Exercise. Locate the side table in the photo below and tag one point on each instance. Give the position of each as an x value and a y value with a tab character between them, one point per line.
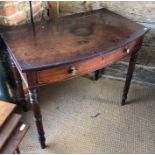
69	47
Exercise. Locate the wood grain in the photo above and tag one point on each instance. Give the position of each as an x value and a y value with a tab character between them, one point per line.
83	67
8	128
48	51
5	110
11	146
69	39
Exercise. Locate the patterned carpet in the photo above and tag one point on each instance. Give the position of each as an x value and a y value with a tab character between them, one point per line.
84	116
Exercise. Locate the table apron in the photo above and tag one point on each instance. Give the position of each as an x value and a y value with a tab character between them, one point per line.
61	73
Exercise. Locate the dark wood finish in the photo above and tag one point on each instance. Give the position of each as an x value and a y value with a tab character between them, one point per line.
18	151
12	145
8	128
68	47
130	73
83	67
98	74
69	39
37	116
5	110
19	88
4	93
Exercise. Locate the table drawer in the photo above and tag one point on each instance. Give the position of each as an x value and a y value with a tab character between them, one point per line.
68	71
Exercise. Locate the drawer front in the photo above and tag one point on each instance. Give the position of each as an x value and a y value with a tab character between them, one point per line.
83	67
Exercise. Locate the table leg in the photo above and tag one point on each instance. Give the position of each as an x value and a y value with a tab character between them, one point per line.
4	93
37	116
129	75
19	88
98	74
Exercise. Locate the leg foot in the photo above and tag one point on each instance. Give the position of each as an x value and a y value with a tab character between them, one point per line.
123	101
98	74
17	150
42	143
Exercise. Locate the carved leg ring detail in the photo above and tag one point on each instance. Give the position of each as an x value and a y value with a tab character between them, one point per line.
37	116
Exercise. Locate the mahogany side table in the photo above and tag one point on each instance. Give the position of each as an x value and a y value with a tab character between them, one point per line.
68	47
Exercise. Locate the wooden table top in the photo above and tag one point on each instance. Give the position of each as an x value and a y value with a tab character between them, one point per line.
5	110
69	39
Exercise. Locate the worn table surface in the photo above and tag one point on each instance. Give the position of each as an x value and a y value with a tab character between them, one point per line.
69	39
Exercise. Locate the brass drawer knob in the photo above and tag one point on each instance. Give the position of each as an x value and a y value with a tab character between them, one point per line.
127	50
72	71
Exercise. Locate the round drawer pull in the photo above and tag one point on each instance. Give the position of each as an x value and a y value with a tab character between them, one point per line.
127	50
72	71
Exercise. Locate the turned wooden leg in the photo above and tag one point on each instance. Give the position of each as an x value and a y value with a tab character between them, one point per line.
4	93
129	75
37	116
19	88
8	71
